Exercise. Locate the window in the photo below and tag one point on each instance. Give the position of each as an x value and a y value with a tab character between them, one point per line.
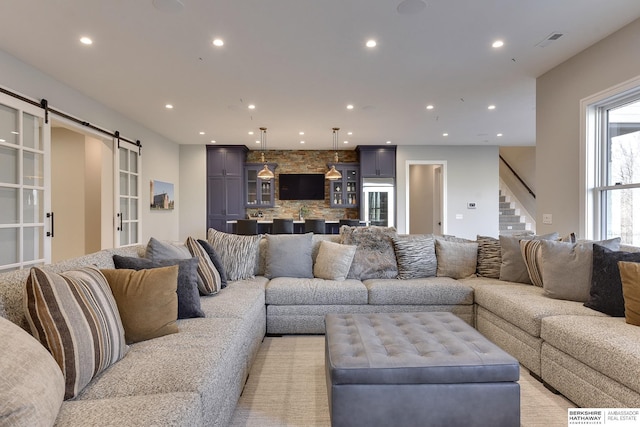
615	128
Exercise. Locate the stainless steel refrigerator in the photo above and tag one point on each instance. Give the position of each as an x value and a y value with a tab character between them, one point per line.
378	205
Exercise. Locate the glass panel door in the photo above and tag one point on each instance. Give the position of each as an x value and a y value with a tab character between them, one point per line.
128	203
26	225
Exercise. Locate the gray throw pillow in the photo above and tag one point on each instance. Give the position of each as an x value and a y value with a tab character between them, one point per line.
188	294
415	255
239	254
160	250
333	261
513	267
215	259
289	255
457	260
375	257
567	268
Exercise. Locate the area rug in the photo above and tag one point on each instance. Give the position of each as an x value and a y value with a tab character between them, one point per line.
286	387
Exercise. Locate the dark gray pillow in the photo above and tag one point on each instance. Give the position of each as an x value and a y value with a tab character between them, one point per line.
289	255
215	259
416	256
188	294
605	294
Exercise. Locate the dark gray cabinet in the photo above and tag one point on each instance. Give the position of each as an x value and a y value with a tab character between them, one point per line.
259	193
345	192
225	192
377	161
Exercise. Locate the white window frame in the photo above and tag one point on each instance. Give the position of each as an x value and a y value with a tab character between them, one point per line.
592	159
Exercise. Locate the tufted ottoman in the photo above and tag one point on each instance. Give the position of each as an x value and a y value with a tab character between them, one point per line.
417	369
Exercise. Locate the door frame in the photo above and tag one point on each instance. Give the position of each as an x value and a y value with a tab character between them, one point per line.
443	198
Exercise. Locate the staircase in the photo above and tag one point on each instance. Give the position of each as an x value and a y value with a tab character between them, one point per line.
511	222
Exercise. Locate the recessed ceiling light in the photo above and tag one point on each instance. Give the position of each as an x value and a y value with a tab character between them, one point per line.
15	133
301	142
349	133
86	40
168	106
300	133
218	42
499	134
349	107
388	142
371	43
445	134
346	142
252	107
201	133
497	43
2	140
250	132
429	107
491	107
213	141
257	142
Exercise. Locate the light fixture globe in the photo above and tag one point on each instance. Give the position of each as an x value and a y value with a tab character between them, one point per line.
265	173
333	174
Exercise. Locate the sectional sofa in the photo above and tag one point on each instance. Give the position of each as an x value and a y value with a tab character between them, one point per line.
195	377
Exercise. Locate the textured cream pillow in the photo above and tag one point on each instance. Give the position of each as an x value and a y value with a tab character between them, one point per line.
333	261
457	260
31	384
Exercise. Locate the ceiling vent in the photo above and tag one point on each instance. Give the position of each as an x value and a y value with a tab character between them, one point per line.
550	39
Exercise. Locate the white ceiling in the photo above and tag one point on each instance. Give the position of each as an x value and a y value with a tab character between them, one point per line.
302	61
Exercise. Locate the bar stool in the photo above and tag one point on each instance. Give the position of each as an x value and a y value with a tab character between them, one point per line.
247	227
282	226
315	226
349	222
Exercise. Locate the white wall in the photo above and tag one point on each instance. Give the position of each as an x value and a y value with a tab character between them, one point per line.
472	176
609	62
193	206
160	156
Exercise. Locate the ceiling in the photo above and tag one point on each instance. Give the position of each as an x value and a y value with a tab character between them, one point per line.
301	62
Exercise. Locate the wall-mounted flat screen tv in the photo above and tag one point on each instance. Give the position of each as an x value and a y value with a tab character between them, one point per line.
301	186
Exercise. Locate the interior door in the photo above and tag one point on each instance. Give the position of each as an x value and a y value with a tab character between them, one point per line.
26	223
127	188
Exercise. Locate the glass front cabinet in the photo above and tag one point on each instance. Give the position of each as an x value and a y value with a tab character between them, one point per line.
259	193
345	193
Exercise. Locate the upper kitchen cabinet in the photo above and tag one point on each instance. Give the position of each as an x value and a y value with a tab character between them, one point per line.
377	161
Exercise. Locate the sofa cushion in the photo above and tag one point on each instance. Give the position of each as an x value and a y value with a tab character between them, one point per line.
216	260
605	294
630	277
415	255
75	316
289	255
209	282
147	301
292	291
188	295
457	260
333	261
31	383
513	267
425	291
489	257
375	257
239	254
566	268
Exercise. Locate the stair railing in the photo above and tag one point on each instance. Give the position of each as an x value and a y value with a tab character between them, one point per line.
518	176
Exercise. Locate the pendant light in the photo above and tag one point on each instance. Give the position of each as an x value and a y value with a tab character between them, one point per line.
265	173
333	174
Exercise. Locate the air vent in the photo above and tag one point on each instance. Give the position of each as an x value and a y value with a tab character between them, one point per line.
550	39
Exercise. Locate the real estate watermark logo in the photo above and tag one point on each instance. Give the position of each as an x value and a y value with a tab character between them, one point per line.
617	417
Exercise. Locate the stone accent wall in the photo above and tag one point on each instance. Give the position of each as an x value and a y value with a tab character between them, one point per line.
303	161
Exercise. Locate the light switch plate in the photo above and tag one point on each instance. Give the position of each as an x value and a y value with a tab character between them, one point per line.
458	216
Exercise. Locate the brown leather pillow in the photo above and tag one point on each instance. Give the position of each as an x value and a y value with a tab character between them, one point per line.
147	301
630	277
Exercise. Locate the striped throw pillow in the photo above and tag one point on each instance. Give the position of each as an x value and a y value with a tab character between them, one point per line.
416	256
239	254
209	282
75	316
531	254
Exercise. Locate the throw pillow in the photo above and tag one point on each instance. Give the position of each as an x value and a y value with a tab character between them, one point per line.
415	255
513	268
630	277
333	261
456	259
531	254
289	255
31	384
605	294
147	301
489	257
209	282
188	295
75	316
375	257
566	268
239	254
215	259
157	250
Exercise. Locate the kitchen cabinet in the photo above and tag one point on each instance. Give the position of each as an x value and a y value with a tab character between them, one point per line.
259	193
345	192
377	161
225	192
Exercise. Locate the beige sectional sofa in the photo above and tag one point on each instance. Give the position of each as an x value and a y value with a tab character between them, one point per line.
195	377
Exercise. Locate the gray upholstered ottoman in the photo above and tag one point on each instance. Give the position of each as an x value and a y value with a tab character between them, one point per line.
417	369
